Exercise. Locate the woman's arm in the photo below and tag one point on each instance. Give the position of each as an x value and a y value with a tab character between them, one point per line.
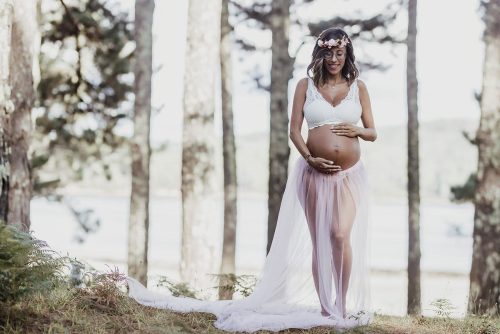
368	132
320	164
298	117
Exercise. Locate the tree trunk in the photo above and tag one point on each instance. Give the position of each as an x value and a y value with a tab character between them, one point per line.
228	264
414	304
199	241
24	35
140	146
484	293
279	151
6	107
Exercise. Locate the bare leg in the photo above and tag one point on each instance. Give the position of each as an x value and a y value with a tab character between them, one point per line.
311	222
344	214
308	200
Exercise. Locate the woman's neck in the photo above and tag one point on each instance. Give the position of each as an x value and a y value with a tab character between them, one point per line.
334	79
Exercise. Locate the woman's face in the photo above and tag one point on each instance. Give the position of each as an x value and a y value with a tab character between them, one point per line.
335	59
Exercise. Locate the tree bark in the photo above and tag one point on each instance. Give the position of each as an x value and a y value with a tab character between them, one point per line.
24	35
140	146
228	264
281	73
413	302
484	291
199	241
6	106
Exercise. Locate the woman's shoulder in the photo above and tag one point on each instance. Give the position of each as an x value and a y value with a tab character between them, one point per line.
303	83
361	84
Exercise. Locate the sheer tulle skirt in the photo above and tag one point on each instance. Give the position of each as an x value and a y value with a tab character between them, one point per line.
317	270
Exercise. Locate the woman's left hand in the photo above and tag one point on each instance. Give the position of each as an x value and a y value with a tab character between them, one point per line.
345	129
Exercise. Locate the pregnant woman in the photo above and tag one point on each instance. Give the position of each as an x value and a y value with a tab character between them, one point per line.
333	186
316	272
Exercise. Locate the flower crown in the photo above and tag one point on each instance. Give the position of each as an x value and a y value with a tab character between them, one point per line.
333	42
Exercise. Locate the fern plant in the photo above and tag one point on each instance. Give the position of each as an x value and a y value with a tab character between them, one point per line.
27	265
443	307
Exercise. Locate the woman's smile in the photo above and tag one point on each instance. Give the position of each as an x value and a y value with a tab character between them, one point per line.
333	67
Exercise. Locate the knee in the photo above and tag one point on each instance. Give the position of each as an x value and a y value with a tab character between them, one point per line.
340	238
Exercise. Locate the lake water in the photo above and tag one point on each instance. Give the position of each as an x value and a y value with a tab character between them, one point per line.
446	243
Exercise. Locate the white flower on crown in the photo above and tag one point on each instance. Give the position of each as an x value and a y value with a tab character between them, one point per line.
341	42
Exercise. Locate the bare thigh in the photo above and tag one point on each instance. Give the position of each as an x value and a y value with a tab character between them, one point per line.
311	203
343	215
307	196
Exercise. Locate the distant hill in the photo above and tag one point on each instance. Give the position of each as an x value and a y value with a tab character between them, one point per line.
446	159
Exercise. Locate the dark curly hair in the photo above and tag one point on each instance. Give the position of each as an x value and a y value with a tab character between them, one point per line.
317	66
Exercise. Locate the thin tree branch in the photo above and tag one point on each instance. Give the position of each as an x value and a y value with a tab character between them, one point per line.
79	72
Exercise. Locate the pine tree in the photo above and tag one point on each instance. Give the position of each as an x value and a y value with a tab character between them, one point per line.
228	263
413	301
140	146
199	244
484	291
17	130
85	90
281	73
6	107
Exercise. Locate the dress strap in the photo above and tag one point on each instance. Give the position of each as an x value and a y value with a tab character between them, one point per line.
309	83
311	88
355	89
311	93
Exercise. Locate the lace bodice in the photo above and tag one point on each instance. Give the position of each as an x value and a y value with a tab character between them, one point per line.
318	111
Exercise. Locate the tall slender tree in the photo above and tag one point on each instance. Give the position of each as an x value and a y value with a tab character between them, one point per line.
281	73
6	107
199	243
24	36
413	301
484	292
228	264
140	146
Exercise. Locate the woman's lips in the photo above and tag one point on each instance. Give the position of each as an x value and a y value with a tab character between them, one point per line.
333	67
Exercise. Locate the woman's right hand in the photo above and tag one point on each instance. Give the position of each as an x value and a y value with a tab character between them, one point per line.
324	165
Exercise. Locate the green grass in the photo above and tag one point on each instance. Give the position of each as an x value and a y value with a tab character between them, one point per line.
101	309
37	295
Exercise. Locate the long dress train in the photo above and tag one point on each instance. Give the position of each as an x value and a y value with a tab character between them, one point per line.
317	267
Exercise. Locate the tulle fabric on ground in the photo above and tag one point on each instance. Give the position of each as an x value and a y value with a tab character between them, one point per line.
323	221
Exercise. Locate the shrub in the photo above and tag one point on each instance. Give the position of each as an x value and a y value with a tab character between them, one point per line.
27	265
177	289
443	307
103	291
243	284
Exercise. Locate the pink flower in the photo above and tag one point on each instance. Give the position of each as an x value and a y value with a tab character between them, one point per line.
333	42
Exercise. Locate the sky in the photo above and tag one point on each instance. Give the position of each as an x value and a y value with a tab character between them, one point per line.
449	65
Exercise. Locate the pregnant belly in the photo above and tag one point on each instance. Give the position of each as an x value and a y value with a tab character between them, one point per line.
344	151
